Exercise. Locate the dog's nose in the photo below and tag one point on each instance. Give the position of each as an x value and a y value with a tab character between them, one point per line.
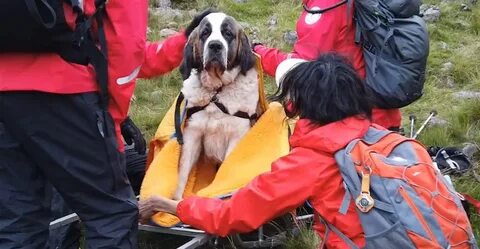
215	46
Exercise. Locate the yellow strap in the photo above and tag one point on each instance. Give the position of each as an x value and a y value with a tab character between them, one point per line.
366	183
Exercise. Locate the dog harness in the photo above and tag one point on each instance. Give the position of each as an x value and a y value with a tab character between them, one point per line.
192	110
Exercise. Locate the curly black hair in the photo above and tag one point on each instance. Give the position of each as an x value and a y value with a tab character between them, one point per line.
325	90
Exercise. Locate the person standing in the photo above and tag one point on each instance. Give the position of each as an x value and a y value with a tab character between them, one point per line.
331	31
57	127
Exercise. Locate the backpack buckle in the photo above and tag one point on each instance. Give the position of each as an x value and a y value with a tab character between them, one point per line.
364	201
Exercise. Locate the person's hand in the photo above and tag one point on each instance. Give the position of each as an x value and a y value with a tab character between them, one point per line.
131	134
197	19
147	208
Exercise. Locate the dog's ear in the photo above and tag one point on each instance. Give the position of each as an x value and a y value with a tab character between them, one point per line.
244	53
191	57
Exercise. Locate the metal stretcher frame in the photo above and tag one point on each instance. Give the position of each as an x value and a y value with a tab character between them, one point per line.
198	237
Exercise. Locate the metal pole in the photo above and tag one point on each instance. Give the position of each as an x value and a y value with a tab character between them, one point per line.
432	114
412	125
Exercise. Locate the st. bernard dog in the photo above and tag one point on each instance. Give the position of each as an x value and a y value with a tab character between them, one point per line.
221	89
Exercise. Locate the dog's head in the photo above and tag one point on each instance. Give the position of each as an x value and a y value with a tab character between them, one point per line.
217	45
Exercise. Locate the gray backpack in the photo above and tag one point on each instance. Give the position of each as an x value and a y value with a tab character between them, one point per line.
402	200
395	47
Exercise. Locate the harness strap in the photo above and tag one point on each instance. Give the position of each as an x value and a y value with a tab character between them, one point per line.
35	12
192	110
195	109
99	59
239	114
178	119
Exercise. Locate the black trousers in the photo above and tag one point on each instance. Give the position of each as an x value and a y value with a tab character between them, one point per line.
68	141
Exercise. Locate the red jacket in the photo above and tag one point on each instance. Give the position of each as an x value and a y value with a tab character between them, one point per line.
129	56
331	31
309	172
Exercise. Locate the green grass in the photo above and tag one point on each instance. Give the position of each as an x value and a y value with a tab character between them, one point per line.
459	29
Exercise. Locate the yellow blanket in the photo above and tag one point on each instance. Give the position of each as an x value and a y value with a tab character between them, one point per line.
265	142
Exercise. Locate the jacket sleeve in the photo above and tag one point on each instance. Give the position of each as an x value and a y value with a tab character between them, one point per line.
290	183
321	38
163	57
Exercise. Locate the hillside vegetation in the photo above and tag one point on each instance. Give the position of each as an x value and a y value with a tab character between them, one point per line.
452	87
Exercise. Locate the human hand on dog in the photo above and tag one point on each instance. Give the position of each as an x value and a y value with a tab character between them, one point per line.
147	208
197	19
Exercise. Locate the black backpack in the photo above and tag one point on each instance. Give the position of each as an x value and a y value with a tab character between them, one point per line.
395	47
39	26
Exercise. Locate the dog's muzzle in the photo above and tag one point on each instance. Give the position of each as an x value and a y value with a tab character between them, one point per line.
216	56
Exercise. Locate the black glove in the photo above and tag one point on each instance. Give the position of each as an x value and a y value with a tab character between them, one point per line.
131	134
197	19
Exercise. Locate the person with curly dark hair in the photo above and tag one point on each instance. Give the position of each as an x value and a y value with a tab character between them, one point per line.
333	108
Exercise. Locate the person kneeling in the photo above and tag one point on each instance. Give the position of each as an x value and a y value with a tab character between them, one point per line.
334	109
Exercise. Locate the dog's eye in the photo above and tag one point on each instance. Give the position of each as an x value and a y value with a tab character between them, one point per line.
204	33
228	34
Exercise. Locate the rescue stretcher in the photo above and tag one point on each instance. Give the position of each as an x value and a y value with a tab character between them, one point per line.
266	141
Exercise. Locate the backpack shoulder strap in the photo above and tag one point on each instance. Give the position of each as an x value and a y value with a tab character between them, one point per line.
329	227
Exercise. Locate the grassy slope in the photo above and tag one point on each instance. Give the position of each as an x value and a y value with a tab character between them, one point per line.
460	30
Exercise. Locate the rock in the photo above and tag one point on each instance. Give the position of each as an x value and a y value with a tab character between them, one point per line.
470	149
166	4
447	67
172	25
437	122
240	1
467	95
273	21
450	82
430	13
443	45
290	37
423	7
167	32
465	7
168	13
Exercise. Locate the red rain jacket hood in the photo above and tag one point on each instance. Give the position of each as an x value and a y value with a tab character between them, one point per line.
309	172
129	56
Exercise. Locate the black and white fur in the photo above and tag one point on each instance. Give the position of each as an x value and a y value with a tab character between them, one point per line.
217	62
